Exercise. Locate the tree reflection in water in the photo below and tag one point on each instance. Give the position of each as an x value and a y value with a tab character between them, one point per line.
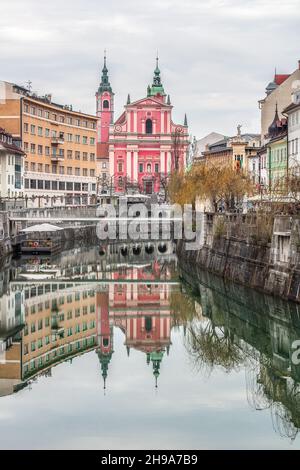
240	329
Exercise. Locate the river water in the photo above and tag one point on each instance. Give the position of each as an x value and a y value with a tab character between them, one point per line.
118	351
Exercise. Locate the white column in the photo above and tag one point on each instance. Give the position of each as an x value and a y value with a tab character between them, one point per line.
135	121
168	130
168	162
129	163
162	162
111	162
135	167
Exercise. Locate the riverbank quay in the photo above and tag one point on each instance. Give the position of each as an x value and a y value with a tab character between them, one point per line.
250	249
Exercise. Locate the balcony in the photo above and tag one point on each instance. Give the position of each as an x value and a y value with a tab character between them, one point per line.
57	140
55	157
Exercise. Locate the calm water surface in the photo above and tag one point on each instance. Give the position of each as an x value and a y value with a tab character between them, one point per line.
106	352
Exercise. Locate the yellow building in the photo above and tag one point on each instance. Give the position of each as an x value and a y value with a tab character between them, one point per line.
59	323
60	167
234	151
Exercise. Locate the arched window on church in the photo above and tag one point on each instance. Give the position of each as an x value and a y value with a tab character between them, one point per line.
148	324
149	168
105	104
149	126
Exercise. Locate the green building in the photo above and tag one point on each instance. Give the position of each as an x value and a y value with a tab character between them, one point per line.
277	152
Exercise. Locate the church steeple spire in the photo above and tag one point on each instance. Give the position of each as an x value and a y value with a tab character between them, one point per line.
157	87
104	84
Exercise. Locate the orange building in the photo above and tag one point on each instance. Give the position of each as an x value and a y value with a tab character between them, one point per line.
60	144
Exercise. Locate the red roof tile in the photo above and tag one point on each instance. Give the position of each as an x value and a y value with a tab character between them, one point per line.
280	78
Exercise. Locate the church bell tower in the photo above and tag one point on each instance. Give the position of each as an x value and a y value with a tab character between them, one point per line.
104	106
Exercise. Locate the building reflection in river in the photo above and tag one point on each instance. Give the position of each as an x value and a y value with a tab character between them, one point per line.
50	320
52	312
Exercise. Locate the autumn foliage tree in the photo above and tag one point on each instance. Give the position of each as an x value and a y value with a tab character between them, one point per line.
218	184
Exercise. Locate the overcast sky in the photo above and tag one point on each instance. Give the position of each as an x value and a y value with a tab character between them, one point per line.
216	56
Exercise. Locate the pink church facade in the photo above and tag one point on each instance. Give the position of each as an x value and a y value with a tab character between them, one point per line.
143	146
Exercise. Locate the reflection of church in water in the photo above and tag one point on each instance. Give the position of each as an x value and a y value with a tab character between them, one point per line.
141	309
47	322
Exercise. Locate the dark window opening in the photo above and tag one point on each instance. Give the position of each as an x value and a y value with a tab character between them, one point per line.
149	126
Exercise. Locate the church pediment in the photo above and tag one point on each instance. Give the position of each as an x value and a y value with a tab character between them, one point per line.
148	102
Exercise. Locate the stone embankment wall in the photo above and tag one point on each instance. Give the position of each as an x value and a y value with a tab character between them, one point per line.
248	250
5	242
10	235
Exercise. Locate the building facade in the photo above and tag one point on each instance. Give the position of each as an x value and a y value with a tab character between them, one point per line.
277	92
293	114
143	146
60	144
277	152
11	168
234	151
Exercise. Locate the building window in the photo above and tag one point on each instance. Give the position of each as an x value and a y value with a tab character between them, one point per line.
77	139
92	157
47	132
104	165
77	187
62	186
149	126
84	156
47	150
40	149
92	173
40	167
156	168
69	186
77	155
120	167
40	184
148	167
84	139
69	170
40	131
105	104
32	148
84	172
47	184
92	140
54	185
77	171
32	129
69	154
141	168
25	127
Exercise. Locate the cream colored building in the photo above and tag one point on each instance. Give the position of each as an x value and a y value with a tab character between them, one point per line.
278	91
60	144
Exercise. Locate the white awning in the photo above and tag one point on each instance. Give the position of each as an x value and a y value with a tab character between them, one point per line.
42	228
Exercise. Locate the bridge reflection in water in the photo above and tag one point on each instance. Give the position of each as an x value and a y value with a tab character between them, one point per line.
53	310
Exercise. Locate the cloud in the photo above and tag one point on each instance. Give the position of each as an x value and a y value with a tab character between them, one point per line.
216	56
